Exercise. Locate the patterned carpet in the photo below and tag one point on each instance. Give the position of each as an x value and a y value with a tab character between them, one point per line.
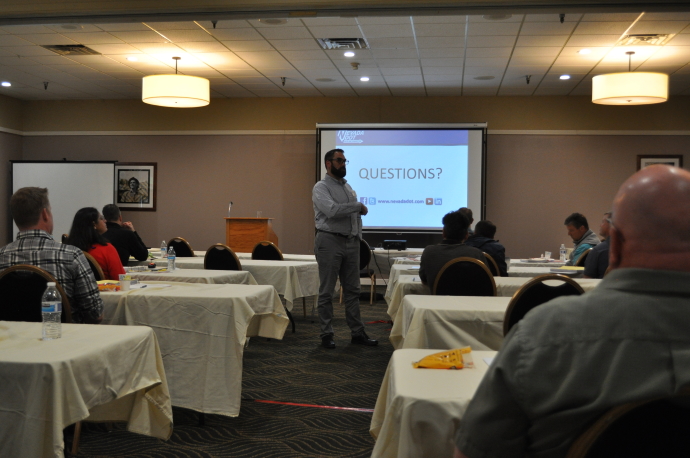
294	370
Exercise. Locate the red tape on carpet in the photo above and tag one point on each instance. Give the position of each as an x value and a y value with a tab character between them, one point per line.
353	409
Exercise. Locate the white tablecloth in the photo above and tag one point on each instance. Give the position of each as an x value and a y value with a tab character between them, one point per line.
382	260
418	411
505	286
98	373
450	322
198	276
292	279
202	330
532	271
286	256
526	263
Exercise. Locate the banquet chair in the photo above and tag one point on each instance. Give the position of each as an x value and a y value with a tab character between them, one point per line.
364	270
464	277
653	427
64	238
95	267
581	260
535	292
267	251
221	257
493	267
181	247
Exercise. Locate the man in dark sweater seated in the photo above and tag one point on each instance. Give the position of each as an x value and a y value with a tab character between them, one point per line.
434	257
483	239
123	236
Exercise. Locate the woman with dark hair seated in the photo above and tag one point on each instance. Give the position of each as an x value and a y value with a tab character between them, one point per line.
87	234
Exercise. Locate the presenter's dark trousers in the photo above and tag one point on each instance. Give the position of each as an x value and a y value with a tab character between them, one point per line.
338	257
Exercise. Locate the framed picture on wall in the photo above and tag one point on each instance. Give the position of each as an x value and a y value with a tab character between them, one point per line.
665	159
135	185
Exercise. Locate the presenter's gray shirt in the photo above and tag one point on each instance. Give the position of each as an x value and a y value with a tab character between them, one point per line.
336	208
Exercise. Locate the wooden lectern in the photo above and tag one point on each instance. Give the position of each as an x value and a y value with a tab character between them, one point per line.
242	234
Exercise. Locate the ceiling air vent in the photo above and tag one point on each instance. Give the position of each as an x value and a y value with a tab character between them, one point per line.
342	43
644	39
72	50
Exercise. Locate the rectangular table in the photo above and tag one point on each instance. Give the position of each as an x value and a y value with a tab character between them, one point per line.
527	263
202	330
242	277
292	279
450	322
94	372
382	260
418	410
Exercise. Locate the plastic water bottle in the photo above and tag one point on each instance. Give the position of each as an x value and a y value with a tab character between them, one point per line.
51	309
164	249
171	259
563	251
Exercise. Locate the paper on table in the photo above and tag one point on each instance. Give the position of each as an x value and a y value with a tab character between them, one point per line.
416	279
157	285
488	361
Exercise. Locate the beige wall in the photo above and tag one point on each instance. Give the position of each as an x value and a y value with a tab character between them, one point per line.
10	150
533	181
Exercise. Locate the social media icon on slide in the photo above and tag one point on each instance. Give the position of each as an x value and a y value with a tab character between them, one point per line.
363	200
438	202
372	200
430	201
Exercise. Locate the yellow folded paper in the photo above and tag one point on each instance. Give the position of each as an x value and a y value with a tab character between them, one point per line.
572	268
451	359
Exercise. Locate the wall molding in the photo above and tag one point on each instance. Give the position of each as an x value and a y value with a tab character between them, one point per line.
313	132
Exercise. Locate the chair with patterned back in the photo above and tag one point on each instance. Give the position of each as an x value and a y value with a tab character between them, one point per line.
464	277
535	292
581	260
221	257
21	289
95	267
64	238
655	427
181	247
267	251
491	264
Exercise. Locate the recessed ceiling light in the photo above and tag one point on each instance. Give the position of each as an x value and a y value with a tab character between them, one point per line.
273	21
484	78
6	84
364	78
564	77
349	54
584	51
132	59
497	17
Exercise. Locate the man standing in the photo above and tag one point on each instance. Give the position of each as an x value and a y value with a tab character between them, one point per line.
598	259
483	239
337	215
434	257
572	359
30	210
584	239
123	236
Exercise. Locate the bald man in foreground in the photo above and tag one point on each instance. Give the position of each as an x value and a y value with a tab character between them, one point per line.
570	360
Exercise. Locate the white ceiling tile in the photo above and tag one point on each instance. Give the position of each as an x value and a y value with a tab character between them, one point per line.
534	51
43	39
489	52
445	19
653	27
547	28
593	40
493	29
601	28
431	53
486	62
541	40
242	34
285	33
226	24
378	20
195	47
680	40
159	49
661	67
239	73
483	71
329	21
610	17
304	55
575	61
293	45
93	38
552	18
490	42
16	61
403	78
387	31
277	73
123	27
440	42
223	61
139	37
443	78
290	22
674	16
249	45
671	55
25	29
28	51
351	31
394	63
393	43
442	62
182	36
11	40
395	53
440	30
71	28
442	71
43	60
115	49
167	26
313	64
401	71
489	19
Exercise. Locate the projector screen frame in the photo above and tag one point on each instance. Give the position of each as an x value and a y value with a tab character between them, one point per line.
476	126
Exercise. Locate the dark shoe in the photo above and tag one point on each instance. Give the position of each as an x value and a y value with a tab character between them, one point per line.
363	339
327	342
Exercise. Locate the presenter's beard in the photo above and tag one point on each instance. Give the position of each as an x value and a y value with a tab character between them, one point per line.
340	173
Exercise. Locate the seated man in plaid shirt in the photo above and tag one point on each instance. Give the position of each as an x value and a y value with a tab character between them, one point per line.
30	210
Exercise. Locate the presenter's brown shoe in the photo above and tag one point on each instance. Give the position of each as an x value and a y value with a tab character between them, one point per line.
363	339
327	342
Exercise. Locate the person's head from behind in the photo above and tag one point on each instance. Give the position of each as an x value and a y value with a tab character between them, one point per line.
485	228
134	184
87	229
455	226
651	220
577	226
605	226
111	213
468	214
30	209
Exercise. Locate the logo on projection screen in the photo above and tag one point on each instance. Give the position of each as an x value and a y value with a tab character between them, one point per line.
350	136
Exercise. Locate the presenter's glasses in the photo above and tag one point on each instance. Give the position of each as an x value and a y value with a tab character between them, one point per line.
340	160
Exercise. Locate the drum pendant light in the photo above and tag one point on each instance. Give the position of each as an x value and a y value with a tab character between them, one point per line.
177	91
630	88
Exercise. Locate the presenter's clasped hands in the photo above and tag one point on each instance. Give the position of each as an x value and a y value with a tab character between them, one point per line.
364	209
